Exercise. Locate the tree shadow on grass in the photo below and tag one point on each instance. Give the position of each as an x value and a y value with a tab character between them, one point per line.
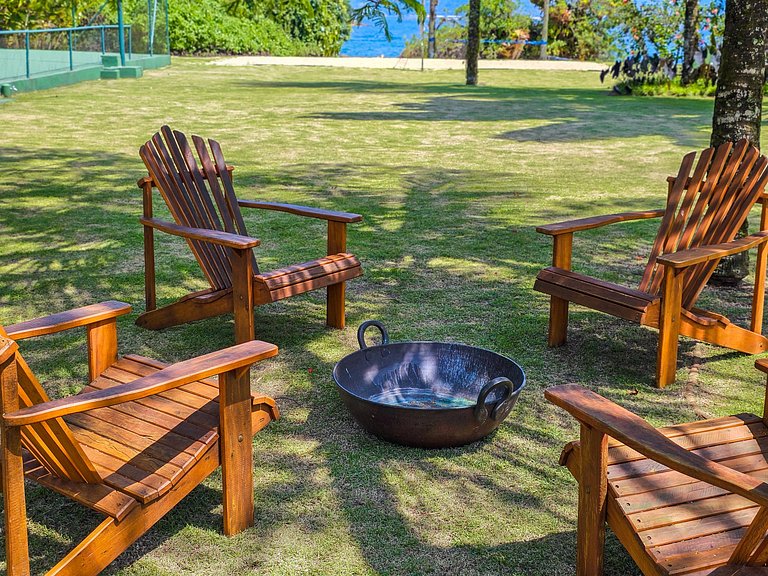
430	276
558	114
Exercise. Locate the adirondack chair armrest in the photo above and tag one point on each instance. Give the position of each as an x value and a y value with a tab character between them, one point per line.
601	414
215	363
686	258
227	239
570	226
309	212
83	316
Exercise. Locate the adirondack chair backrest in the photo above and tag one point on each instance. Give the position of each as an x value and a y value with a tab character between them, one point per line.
197	195
52	442
706	206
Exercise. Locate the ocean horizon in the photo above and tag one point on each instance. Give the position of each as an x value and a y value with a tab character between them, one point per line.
368	40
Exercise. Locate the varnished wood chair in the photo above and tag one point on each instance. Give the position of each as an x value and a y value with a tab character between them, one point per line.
706	204
688	499
138	438
201	197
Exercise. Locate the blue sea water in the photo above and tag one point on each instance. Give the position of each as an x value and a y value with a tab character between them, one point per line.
368	40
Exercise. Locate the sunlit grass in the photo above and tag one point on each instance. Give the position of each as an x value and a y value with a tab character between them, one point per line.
451	181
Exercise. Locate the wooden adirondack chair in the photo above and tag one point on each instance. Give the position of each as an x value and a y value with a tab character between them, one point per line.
201	197
132	444
689	499
706	205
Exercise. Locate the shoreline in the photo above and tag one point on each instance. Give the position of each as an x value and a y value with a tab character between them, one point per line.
407	63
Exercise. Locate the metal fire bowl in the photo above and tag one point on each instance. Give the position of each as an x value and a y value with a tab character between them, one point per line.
427	394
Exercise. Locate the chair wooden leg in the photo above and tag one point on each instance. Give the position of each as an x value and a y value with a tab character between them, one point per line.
758	295
102	347
12	470
242	295
669	327
14	505
150	293
334	316
558	308
593	487
337	244
558	322
236	450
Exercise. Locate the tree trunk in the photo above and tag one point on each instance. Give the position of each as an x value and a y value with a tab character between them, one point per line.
473	41
739	97
544	29
690	40
431	41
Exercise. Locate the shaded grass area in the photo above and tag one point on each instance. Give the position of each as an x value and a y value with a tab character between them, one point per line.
451	181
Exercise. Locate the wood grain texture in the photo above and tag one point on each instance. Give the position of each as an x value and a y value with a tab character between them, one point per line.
138	438
166	379
669	328
687	258
202	234
571	226
196	184
12	470
242	295
595	411
668	518
306	211
66	320
236	450
593	487
558	307
707	201
761	264
150	280
101	338
336	293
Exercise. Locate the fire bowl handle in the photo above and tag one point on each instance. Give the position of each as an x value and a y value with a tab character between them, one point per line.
367	324
500	409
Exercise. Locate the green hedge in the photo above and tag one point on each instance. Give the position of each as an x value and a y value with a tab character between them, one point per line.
204	26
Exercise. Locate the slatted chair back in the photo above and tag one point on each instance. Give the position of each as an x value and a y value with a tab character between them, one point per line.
198	195
706	205
50	442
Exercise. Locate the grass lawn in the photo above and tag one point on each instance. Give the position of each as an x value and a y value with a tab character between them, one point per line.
451	181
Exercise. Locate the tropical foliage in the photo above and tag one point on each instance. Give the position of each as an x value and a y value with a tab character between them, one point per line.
322	25
203	26
377	12
281	27
654	37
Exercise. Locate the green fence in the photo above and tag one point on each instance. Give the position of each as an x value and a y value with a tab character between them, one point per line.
139	33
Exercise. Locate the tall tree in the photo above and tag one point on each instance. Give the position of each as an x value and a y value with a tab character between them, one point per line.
431	29
739	95
473	41
690	40
544	29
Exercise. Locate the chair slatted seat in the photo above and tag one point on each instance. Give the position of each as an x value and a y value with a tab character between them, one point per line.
707	202
690	499
138	438
198	189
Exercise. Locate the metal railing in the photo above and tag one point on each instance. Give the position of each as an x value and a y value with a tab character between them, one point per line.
72	60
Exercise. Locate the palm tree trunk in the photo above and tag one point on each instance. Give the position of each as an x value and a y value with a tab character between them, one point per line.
690	40
473	41
739	96
431	41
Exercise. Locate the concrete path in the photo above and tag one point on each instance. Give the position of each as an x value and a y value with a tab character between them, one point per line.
408	63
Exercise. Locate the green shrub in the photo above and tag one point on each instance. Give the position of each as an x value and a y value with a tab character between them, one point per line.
203	26
322	25
670	88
